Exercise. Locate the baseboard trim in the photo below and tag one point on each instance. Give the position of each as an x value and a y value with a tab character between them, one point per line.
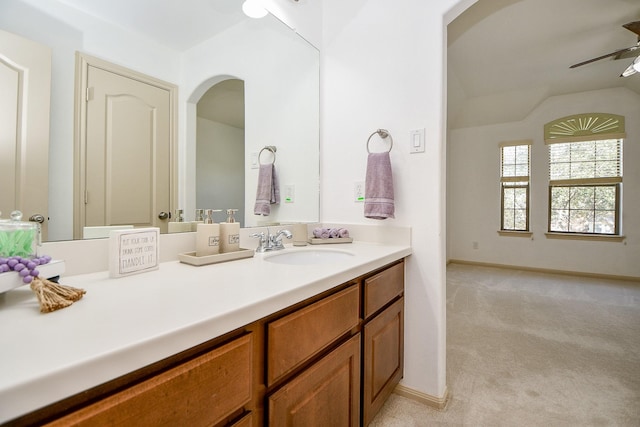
546	270
435	402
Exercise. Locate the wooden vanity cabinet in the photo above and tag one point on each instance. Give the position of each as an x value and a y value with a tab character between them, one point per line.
347	386
326	393
331	360
383	338
204	391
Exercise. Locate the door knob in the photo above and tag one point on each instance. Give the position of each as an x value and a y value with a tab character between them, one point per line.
37	218
163	215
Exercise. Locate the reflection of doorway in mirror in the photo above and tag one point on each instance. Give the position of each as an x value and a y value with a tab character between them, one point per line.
126	149
25	79
220	176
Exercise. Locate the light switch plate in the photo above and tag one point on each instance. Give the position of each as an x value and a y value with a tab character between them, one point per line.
416	141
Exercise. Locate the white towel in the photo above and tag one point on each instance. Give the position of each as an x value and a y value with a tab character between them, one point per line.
268	191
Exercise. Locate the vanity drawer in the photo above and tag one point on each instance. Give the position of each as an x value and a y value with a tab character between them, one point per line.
383	288
297	337
201	392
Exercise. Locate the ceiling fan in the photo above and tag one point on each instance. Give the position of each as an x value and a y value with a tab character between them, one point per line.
621	53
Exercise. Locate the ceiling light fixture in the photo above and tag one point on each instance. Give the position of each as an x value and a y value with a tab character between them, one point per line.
254	9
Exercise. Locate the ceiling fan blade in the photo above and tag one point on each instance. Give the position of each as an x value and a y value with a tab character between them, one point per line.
608	55
628	54
633	26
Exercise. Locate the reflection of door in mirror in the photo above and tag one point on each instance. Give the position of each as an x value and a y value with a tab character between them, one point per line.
220	149
125	165
25	79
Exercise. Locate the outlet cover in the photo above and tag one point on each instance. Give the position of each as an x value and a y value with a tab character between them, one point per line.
358	192
289	193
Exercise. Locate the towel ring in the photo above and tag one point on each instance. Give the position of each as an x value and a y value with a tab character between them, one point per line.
271	148
383	133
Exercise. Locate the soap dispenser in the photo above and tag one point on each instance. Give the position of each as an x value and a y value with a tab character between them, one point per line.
230	233
208	236
178	225
199	219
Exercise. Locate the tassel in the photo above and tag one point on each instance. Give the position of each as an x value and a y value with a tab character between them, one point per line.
53	296
67	292
49	300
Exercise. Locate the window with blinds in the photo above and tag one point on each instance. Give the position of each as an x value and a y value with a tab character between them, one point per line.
585	179
514	185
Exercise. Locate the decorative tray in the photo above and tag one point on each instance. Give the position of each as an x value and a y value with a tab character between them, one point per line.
10	279
192	259
318	241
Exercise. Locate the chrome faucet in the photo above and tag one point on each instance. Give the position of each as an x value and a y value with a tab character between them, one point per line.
271	242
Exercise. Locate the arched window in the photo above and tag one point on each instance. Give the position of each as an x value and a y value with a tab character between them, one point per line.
585	173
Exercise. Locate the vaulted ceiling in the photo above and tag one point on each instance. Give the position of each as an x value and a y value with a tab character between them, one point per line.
507	56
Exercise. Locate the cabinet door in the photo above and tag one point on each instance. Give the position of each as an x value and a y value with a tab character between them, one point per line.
294	339
383	358
326	394
200	392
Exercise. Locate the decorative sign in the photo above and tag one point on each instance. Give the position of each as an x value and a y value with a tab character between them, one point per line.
133	251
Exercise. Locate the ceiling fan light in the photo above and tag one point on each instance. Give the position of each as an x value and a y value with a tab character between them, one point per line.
629	71
254	9
636	64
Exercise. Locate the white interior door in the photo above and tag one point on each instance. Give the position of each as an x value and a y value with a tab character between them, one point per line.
127	151
25	91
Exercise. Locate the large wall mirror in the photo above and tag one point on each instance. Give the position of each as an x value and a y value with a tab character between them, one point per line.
275	71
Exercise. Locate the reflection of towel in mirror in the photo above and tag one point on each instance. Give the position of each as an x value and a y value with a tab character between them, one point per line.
268	192
378	187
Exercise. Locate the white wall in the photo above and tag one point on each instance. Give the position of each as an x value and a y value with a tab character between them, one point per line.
383	67
474	192
220	168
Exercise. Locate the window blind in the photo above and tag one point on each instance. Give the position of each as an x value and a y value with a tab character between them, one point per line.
586	162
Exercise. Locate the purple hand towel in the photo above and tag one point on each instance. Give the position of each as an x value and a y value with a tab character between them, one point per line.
378	188
268	192
343	232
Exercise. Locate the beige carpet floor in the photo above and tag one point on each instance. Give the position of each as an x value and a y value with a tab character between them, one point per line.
534	349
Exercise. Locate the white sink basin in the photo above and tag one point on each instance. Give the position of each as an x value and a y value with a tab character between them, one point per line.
308	257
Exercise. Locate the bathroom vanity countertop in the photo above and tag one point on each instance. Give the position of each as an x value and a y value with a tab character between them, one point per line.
127	323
